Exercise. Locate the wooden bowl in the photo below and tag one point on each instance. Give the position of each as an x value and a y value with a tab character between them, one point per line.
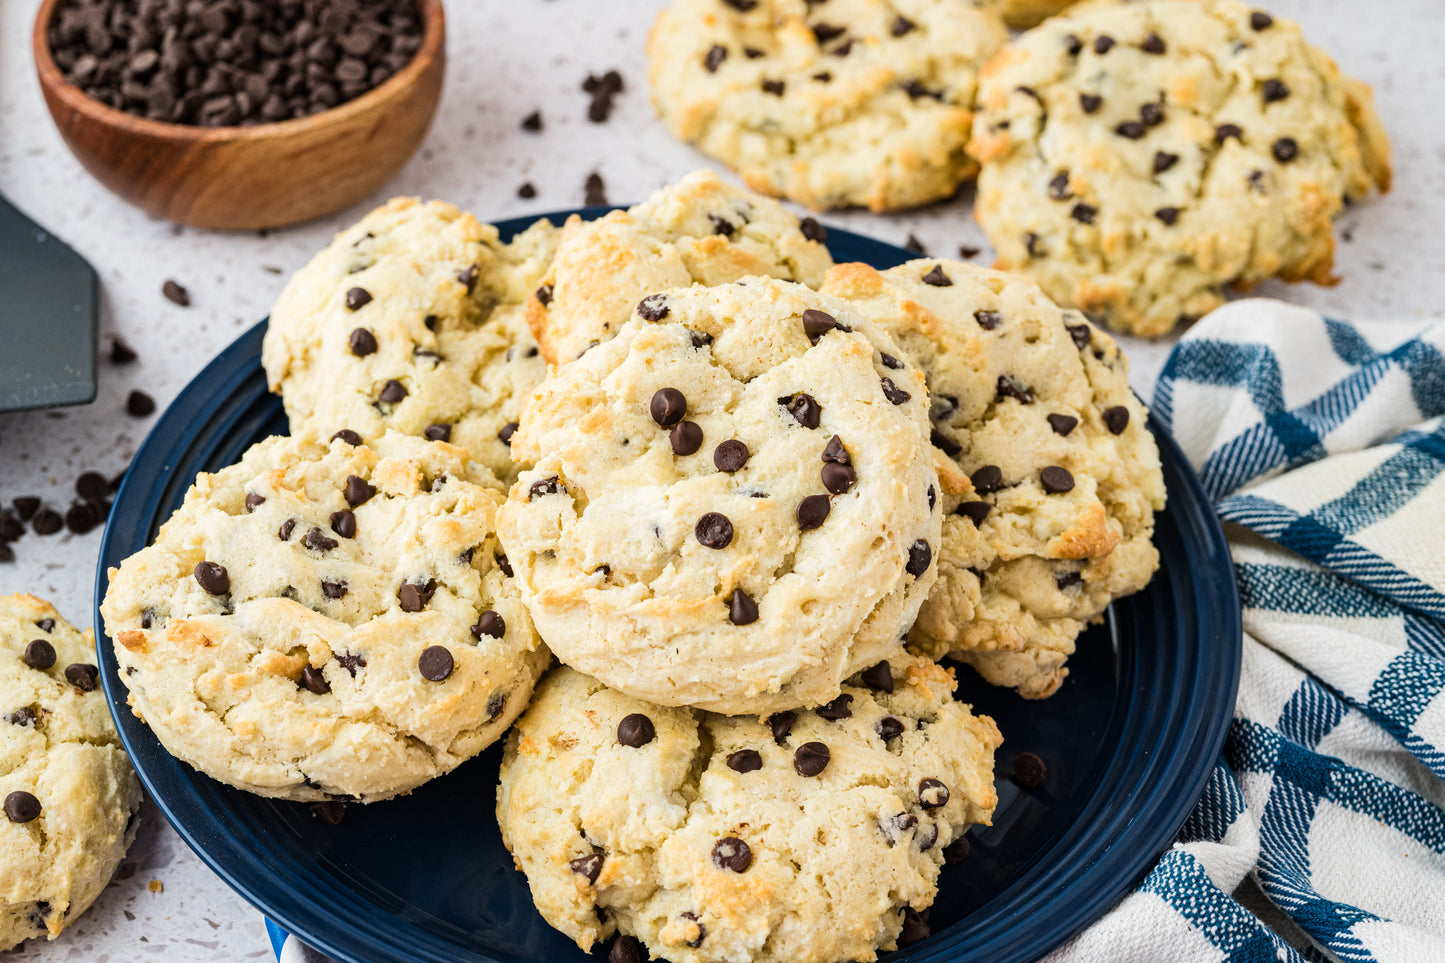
239	178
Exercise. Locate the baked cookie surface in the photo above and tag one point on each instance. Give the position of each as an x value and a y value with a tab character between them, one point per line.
1022	14
1138	157
412	320
811	837
852	103
69	793
724	513
1050	477
325	620
700	230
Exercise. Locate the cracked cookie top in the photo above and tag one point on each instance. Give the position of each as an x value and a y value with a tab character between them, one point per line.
327	620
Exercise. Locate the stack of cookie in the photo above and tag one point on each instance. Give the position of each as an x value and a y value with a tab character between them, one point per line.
748	503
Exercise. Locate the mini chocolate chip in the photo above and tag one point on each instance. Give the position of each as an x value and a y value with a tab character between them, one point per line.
837	478
987	479
804	408
893	393
1223	132
932	794
440	431
1073	45
542	487
714	530
26	506
1116	418
317	541
901	26
975	512
1029	770
716	54
1009	388
532	123
742	610
915	928
730	456
80	518
253	501
817	323
83	676
1090	102
723	226
745	760
774	87
543	294
1169	215
357	491
889	728
781	723
626	949
988	320
335	590
835	452
1081	333
653	307
945	444
1084	213
435	663
91	485
503	564
1151	114
879	676
667	407
635	731
1059	187
414	597
176	294
1153	44
508	430
1273	90
120	352
39	654
212	577
891	362
1131	129
22	716
344	524
362	342
21	806
588	867
937	278
1031	244
1066	580
1103	44
392	392
1062	424
527	191
1285	149
701	930
348	436
920	556
287	527
491	624
1260	20
138	404
686	437
1056	480
811	758
913	243
837	709
812	230
812	512
932	497
357	298
732	853
956	851
314	681
827	32
1163	160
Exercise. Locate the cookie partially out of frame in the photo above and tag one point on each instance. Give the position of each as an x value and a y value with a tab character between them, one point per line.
69	793
412	320
1139	157
810	837
1050	477
700	230
849	103
326	620
733	503
1022	14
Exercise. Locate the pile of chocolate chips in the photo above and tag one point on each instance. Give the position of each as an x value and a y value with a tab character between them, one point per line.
223	63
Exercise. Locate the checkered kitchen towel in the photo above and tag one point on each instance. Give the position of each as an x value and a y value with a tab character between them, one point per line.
1323	445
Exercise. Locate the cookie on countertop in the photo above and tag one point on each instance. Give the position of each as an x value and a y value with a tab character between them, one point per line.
852	103
69	793
700	230
734	500
1137	158
327	620
809	837
1050	477
413	319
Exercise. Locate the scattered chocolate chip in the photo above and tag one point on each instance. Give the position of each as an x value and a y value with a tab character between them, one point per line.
966	252
945	444
932	496
1059	187
491	624
987	479
1067	580
330	811
1090	102
22	716
812	511
441	431
362	342
80	518
11	528
1273	90
1031	244
344	524
837	478
1224	132
804	408
893	393
920	556
716	54
827	32
1082	335
879	677
837	709
811	758
817	323
891	362
625	949
351	662
26	506
667	407
176	294
1073	45
392	392
348	436
901	26
732	853
83	676
774	87
956	851
889	728
47	522
914	244
594	191
357	490
39	654
1131	129
91	485
1168	215
467	276
138	404
988	320
1285	149
1062	424
932	794
527	190
915	928
1151	114
975	512
508	430
588	867
1009	388
1029	770
120	352
1056	480
314	681
212	577
254	501
503	564
414	597
1084	213
21	806
315	539
1153	44
357	298
435	661
551	485
335	590
1163	160
835	452
937	278
714	530
1116	418
1260	20
635	731
287	527
745	760
730	456
532	123
686	437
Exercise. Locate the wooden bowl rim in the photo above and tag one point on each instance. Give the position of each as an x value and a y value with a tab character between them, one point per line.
54	81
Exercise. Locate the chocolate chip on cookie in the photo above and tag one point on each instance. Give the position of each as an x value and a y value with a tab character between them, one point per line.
811	758
1056	480
714	530
730	456
745	760
635	730
212	577
435	662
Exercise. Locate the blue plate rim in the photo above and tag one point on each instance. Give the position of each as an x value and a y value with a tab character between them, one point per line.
1100	875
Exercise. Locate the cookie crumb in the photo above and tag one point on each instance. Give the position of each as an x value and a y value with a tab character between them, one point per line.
156	886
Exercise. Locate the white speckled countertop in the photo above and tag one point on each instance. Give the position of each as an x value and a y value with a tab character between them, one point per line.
505	60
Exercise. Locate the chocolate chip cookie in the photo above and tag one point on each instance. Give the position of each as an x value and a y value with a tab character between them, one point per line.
412	320
1137	158
849	103
700	230
69	793
734	501
327	620
1050	478
807	837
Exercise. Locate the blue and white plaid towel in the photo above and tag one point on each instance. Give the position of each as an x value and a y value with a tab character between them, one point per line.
1323	445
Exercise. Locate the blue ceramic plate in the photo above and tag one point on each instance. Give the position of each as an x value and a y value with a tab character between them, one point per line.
1129	742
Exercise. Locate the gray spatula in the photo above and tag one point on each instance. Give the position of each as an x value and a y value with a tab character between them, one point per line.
49	303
